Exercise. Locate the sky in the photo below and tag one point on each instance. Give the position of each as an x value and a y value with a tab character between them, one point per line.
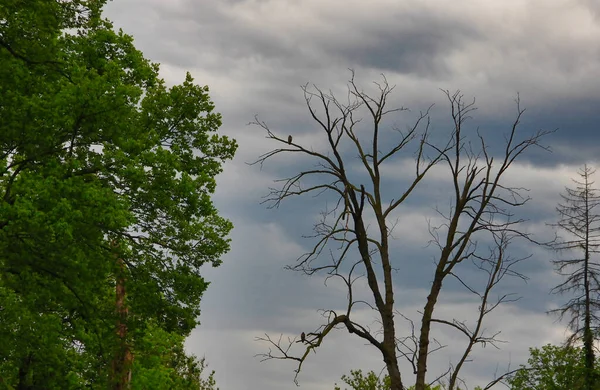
256	54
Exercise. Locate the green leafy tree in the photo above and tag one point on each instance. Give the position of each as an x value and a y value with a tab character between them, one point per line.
161	363
359	381
101	165
551	368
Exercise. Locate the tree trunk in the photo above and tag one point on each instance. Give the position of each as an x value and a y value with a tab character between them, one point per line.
426	330
123	357
588	336
24	379
389	346
391	362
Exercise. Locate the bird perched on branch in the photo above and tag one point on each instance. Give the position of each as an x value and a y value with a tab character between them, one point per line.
289	139
303	337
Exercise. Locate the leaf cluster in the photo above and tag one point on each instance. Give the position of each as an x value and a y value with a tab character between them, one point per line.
552	368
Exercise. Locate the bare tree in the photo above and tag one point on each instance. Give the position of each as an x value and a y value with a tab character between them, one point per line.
580	220
481	211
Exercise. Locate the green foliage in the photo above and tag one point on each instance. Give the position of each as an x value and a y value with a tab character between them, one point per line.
551	368
161	363
371	381
436	387
99	159
46	346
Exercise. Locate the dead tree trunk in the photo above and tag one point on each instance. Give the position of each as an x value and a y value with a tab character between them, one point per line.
580	221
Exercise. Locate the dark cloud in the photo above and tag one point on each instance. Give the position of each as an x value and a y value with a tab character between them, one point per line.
254	55
593	6
415	44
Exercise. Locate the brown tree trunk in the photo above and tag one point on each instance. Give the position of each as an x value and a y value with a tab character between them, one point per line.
391	363
426	330
389	347
387	309
394	373
123	358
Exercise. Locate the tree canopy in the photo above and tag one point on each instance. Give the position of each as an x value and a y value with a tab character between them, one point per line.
371	381
99	160
551	368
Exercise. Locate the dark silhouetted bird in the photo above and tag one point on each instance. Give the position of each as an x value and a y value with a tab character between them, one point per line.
302	335
289	139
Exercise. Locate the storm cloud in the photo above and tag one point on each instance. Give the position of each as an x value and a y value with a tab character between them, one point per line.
255	54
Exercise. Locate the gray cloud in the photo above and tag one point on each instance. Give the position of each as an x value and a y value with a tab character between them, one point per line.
254	55
405	47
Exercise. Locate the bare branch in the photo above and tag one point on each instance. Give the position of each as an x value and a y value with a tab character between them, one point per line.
354	233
